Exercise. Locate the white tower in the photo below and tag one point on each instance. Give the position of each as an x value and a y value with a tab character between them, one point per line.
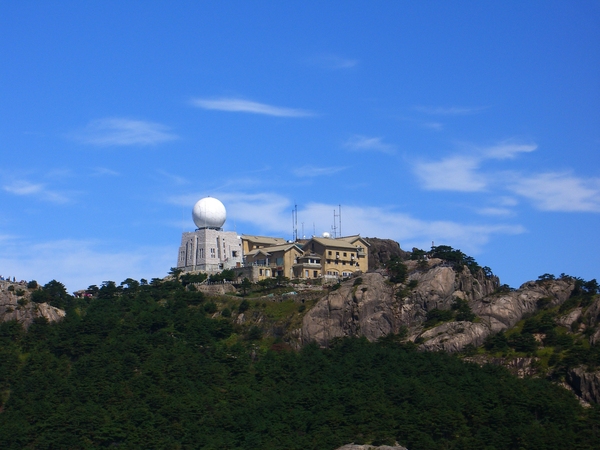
209	249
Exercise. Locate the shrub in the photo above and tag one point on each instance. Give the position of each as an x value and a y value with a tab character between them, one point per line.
463	310
397	270
255	333
226	312
210	308
32	284
244	305
436	316
496	342
523	342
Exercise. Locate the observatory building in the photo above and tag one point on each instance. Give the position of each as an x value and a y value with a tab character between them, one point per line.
209	249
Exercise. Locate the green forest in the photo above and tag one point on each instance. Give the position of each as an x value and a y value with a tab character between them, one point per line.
143	365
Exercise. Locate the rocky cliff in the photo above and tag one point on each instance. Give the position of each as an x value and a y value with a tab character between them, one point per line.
382	250
373	307
15	304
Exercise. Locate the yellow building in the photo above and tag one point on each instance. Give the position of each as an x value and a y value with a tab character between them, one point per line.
339	257
251	242
274	260
316	258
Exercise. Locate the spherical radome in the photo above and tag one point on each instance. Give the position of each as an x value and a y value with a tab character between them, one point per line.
209	212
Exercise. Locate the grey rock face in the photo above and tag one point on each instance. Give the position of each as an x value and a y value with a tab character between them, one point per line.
500	312
368	309
382	250
19	308
568	319
454	336
585	384
376	308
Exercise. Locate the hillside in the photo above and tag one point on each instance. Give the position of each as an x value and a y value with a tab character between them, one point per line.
412	354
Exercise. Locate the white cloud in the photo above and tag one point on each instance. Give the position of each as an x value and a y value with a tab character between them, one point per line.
409	231
449	111
79	264
100	171
266	211
508	151
175	179
365	143
313	171
333	62
39	190
495	211
456	173
272	214
122	132
559	192
241	105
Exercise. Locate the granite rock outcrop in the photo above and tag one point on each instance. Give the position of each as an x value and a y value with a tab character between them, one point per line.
15	304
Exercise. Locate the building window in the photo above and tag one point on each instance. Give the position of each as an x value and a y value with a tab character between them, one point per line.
345	254
306	274
315	274
234	253
329	252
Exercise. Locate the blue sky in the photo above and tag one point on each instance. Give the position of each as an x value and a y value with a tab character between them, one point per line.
469	124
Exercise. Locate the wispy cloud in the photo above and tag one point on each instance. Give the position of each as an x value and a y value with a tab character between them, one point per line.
175	179
554	191
123	132
79	264
333	62
463	172
456	173
366	143
313	171
39	190
270	213
449	111
495	211
101	171
507	150
247	106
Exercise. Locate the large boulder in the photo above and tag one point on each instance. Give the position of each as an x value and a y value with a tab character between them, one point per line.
503	311
585	384
373	307
15	304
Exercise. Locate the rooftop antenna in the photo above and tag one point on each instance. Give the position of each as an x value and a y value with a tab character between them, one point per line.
340	219
302	230
295	223
334	226
314	230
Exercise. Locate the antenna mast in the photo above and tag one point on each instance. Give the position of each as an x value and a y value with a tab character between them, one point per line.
340	218
295	223
334	227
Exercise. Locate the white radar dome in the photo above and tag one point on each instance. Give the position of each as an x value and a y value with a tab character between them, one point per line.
326	235
209	212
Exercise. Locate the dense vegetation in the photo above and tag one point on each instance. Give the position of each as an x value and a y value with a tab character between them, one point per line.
559	349
141	365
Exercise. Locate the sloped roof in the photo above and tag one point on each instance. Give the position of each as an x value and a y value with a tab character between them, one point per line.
329	242
354	238
273	248
267	240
